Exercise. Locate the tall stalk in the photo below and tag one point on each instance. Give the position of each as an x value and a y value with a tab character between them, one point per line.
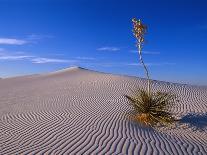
139	31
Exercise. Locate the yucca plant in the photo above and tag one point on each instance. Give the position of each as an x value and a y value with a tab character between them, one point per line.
151	108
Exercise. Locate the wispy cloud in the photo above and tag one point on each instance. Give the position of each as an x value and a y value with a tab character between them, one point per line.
108	49
14	57
152	64
22	56
50	60
35	37
12	41
146	52
85	58
123	64
151	53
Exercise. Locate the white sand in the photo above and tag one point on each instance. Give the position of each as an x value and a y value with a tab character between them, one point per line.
78	111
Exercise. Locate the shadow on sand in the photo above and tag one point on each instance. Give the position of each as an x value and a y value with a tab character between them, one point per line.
195	121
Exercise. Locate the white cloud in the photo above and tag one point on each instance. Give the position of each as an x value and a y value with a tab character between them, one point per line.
152	64
38	36
14	57
150	53
133	51
12	41
34	59
33	38
85	58
146	52
108	49
39	60
133	64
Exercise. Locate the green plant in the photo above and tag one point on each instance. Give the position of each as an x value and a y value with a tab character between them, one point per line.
152	109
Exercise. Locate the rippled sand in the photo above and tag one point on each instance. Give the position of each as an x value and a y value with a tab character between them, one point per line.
78	111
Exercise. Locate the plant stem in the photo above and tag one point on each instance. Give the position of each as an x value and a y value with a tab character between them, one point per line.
145	67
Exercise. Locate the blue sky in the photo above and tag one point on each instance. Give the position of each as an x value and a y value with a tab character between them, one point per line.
42	36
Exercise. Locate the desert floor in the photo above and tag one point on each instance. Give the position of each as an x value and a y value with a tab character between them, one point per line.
79	111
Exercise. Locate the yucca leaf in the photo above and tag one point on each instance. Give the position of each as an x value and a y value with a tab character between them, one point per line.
156	106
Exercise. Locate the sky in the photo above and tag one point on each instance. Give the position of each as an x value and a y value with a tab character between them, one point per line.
38	36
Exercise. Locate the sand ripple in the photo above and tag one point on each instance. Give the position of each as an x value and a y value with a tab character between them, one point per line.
78	111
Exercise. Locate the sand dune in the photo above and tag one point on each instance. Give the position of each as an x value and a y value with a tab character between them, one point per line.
78	111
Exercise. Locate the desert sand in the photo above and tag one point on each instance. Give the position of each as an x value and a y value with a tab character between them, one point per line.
79	111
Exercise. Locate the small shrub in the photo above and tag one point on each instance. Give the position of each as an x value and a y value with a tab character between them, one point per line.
152	109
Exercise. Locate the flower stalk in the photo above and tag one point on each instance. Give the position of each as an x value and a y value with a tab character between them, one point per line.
140	30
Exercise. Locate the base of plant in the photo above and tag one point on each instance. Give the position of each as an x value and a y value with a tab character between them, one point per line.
152	109
143	119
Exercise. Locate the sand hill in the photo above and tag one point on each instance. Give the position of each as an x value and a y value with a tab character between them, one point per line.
78	111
